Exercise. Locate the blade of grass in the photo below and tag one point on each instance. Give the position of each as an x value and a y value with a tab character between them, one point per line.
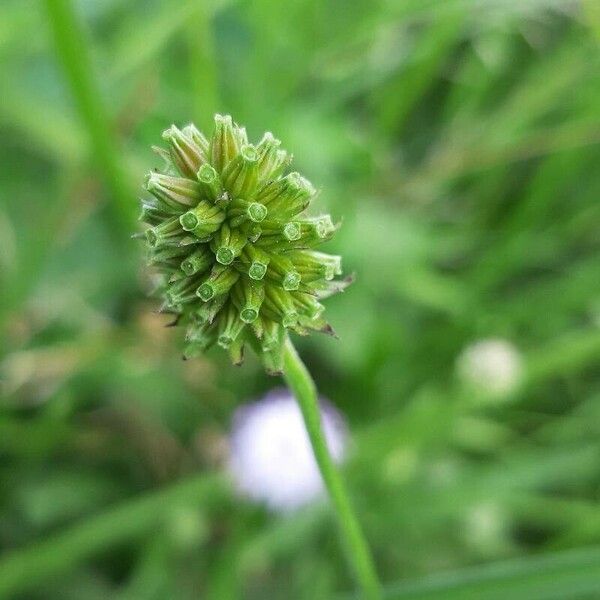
567	574
45	126
397	98
150	578
34	250
203	68
143	40
73	53
572	352
59	553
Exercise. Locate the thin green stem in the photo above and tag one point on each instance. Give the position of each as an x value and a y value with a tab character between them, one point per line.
72	49
300	382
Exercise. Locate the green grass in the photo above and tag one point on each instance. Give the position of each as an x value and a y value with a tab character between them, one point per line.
459	144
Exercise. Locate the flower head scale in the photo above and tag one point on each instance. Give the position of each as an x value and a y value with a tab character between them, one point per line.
228	233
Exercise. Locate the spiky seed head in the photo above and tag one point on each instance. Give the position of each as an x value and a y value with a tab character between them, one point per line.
227	232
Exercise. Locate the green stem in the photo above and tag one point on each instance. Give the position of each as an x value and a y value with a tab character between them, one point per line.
300	382
72	49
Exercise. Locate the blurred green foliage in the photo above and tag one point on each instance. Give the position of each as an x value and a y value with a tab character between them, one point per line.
458	141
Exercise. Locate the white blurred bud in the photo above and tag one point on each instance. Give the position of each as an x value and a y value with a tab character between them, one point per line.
486	528
492	366
271	457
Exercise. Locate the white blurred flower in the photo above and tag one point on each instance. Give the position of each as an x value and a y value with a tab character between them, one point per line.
271	457
493	366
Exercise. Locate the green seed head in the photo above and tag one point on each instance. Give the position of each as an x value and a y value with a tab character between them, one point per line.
228	233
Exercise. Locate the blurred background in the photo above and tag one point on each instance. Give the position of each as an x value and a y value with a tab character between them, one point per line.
459	142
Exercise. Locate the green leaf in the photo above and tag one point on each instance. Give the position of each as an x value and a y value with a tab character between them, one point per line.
570	574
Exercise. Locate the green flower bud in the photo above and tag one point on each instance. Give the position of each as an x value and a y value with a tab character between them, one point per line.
227	244
199	340
253	231
240	135
209	182
286	196
181	291
224	144
209	310
165	233
202	220
236	351
177	192
272	160
230	326
192	132
279	303
197	262
241	210
248	297
270	335
301	234
318	228
219	282
226	230
186	154
241	174
313	266
307	305
153	214
282	271
254	262
168	253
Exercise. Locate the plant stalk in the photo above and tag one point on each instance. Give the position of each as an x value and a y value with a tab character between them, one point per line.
303	387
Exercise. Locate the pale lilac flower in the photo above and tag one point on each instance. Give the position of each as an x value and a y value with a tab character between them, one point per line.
271	458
